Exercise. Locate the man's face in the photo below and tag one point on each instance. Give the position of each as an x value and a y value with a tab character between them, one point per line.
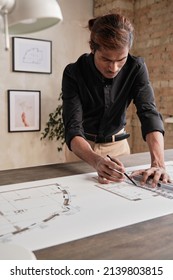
109	62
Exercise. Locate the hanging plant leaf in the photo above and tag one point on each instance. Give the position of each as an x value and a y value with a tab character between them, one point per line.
54	128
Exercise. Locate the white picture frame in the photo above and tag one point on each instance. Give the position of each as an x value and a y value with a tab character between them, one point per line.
31	55
24	110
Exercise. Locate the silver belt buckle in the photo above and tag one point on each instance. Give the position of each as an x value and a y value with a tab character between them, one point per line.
113	138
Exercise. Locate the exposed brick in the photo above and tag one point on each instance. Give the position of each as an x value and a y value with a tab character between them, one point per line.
152	20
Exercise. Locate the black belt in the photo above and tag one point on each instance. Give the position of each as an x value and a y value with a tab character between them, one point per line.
106	139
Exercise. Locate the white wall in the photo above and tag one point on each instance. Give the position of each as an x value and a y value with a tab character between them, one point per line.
70	39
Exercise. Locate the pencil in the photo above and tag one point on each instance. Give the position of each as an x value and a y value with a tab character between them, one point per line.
127	176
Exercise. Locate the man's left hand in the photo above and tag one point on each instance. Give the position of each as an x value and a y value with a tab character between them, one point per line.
156	173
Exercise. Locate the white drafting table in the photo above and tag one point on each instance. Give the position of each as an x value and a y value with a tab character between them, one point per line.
44	213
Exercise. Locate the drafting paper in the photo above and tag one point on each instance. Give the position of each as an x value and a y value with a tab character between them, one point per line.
45	213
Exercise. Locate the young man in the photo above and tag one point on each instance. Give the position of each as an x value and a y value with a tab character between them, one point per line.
97	90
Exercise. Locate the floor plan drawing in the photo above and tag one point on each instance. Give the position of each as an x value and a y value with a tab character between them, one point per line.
24	209
44	213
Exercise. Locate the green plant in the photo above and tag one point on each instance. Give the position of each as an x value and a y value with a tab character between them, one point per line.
54	128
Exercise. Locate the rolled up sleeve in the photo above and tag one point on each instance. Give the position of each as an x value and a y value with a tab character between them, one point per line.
72	108
144	100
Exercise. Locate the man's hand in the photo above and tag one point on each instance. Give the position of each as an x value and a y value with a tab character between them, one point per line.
109	170
156	173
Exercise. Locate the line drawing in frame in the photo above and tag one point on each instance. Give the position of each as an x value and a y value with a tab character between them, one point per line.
31	55
24	110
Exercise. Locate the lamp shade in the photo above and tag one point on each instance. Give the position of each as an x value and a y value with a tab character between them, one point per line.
6	6
33	15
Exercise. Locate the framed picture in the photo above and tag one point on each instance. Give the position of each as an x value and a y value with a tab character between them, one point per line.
31	55
24	110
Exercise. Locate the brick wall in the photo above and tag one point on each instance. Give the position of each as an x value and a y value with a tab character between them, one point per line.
153	22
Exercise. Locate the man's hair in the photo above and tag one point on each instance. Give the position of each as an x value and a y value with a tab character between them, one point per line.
112	31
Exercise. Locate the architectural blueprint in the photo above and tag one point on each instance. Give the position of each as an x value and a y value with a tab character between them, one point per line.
44	213
23	209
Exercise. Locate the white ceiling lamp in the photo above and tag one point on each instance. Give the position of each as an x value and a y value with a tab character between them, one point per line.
28	16
6	7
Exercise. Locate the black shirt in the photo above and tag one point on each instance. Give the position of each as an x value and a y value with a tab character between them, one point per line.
96	105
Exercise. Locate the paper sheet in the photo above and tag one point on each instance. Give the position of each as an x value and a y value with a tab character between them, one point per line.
48	212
